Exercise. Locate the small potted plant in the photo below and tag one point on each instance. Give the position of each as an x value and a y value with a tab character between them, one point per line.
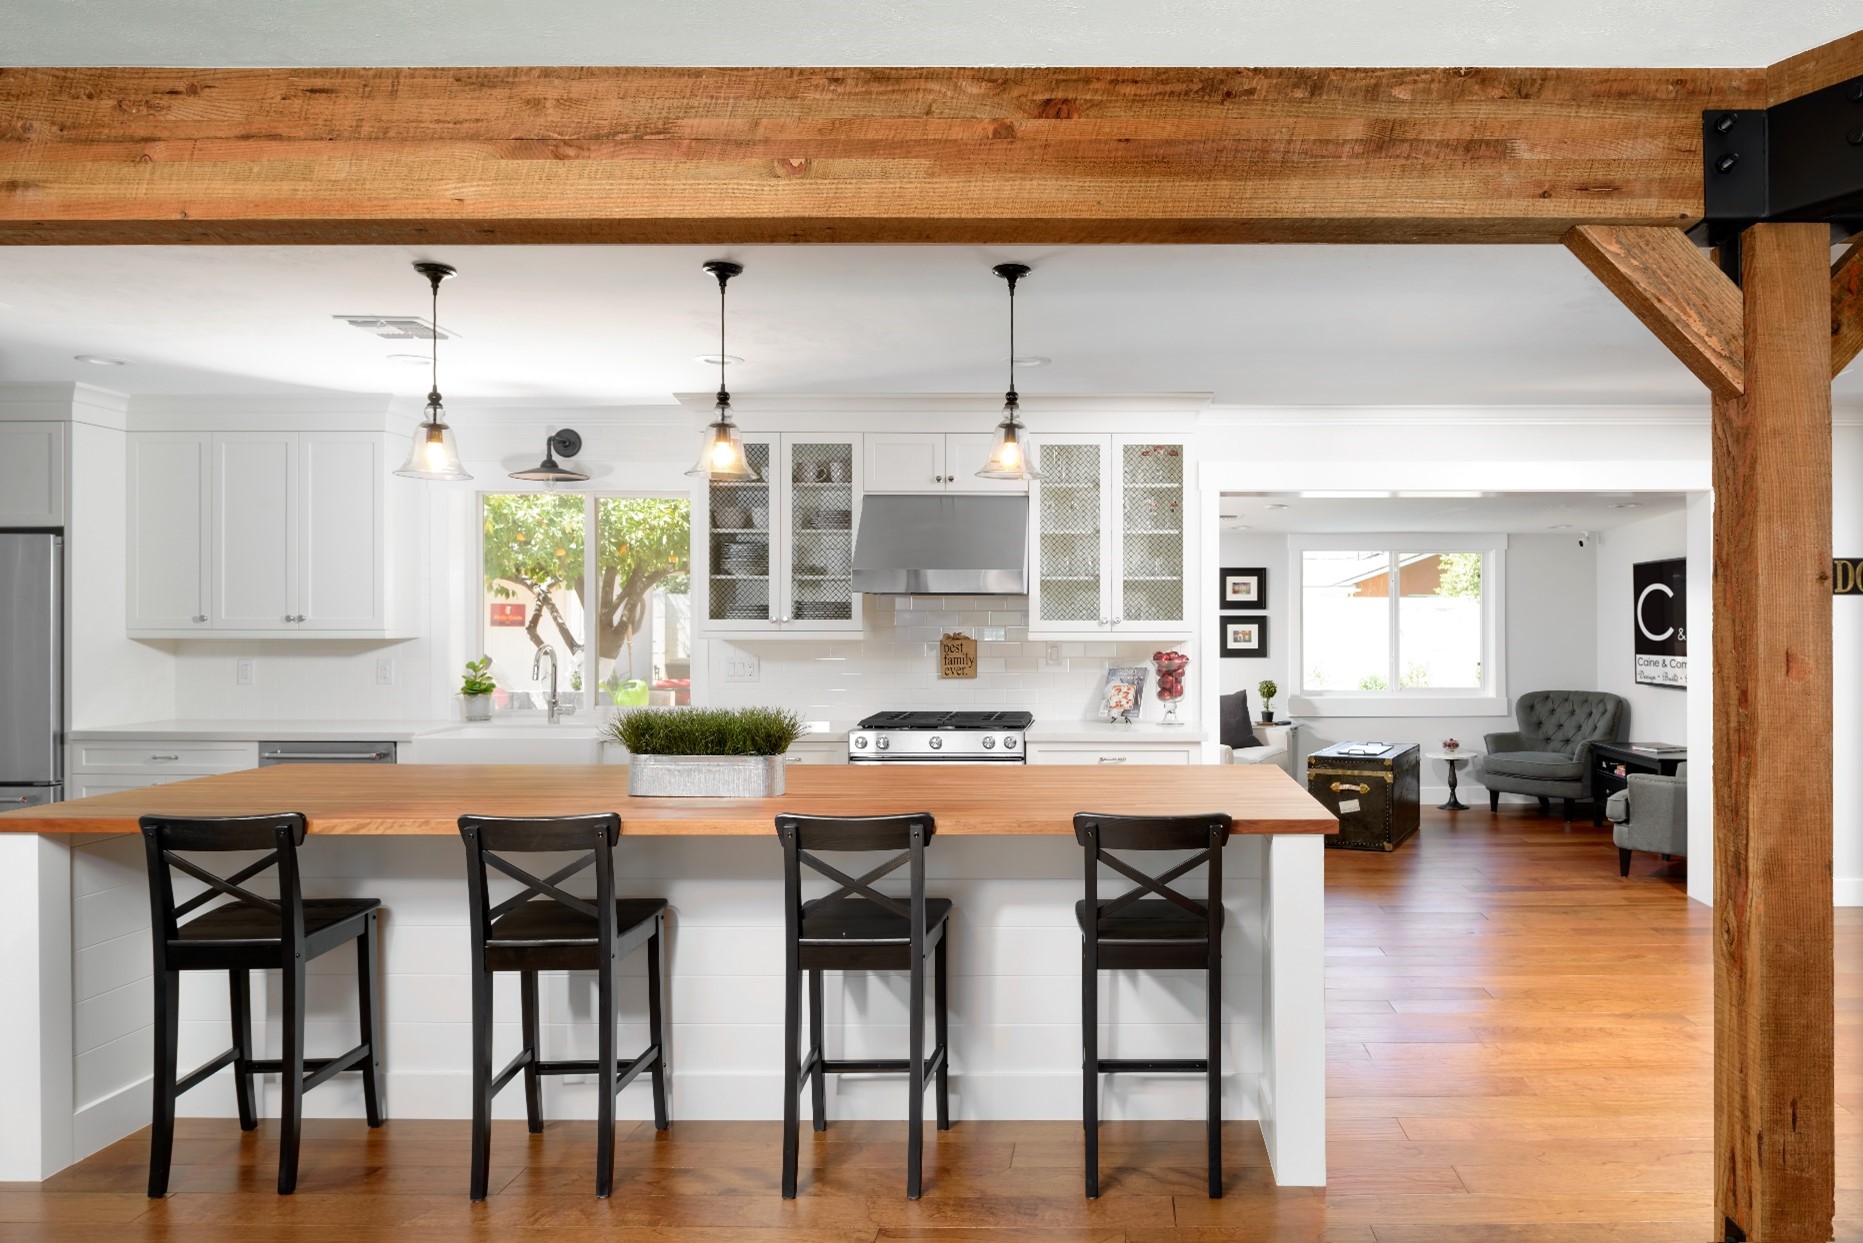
705	752
1268	691
477	687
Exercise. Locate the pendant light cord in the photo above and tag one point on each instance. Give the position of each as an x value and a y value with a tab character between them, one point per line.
433	324
724	398
1012	339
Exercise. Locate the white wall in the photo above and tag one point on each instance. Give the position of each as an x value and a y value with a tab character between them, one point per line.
1846	669
1550	602
1657	713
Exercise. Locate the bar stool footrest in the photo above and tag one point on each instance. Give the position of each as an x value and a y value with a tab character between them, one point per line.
203	1073
1117	1065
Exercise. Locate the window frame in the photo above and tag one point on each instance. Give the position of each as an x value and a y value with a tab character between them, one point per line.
586	698
1486	700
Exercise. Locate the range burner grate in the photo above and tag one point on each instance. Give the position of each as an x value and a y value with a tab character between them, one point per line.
947	720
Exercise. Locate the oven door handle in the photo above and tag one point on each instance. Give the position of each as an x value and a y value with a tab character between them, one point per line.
323	755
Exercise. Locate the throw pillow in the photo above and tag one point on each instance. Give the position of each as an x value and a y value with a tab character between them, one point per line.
1237	730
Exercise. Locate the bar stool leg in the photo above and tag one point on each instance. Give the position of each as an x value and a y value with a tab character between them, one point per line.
915	1080
818	1086
1090	1072
533	1044
239	997
369	1003
941	1031
481	1081
167	1074
291	1120
606	1076
1215	1123
657	1023
792	1022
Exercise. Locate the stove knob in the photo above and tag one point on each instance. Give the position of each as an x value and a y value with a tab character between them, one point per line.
1009	742
989	742
881	743
936	743
860	742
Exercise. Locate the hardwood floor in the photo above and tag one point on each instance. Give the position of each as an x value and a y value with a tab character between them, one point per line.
1518	1049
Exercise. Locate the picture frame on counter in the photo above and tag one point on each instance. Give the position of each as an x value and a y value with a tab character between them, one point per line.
1242	588
1243	636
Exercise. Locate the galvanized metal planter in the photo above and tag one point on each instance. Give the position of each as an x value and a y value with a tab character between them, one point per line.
705	776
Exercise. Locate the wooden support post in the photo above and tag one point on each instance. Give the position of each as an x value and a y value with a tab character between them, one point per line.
1774	1079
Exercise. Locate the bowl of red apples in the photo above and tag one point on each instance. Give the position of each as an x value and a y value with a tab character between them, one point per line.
1170	667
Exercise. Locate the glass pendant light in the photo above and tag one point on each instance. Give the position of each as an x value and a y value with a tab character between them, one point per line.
1009	459
434	455
567	442
721	453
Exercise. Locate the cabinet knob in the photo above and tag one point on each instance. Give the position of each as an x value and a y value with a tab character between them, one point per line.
1105	621
200	617
1116	620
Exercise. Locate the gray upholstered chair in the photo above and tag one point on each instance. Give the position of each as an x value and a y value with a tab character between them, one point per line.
1651	814
1549	756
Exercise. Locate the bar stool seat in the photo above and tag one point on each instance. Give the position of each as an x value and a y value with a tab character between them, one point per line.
328	922
859	920
535	930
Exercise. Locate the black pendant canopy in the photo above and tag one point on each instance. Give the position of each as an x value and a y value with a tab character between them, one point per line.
567	442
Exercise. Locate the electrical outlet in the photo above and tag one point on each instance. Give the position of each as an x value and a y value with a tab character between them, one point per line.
385	671
740	668
245	671
1051	657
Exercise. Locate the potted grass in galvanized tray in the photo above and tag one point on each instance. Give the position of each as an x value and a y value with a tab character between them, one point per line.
705	752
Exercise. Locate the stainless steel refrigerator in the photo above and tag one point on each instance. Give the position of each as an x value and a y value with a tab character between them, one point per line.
32	678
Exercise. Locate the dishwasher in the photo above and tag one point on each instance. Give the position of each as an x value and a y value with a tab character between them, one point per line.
271	753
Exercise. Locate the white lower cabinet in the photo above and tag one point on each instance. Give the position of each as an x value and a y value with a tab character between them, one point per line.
823	752
1098	753
118	765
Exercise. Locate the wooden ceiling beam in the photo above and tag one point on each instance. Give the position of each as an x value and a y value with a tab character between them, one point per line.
967	155
1846	309
1678	293
1814	69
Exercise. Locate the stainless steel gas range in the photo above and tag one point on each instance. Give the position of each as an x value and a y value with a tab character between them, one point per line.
939	738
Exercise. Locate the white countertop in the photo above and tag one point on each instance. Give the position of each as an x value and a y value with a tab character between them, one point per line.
271	731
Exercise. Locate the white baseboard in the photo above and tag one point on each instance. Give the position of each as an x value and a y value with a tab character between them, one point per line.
1847	890
103	1122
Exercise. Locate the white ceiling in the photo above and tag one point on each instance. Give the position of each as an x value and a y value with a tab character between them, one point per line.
1516	513
592	325
920	32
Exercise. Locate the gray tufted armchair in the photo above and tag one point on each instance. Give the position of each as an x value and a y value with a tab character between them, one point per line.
1549	756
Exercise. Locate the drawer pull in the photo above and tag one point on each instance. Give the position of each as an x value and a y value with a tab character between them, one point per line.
1339	787
164	757
324	755
22	800
1112	759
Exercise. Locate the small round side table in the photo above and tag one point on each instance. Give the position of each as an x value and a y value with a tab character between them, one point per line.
1454	759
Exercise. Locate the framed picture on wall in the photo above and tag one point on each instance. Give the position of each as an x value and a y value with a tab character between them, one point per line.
1244	636
1244	588
1659	599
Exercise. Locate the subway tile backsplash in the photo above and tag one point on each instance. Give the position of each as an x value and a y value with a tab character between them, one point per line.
893	664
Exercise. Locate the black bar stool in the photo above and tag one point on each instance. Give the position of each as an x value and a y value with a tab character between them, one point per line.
869	932
544	928
1168	932
251	933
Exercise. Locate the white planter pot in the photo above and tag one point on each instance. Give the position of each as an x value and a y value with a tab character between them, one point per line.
705	776
478	707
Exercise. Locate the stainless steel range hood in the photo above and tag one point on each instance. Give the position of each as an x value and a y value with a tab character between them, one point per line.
975	545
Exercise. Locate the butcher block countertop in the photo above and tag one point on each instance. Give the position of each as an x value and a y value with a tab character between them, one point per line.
412	799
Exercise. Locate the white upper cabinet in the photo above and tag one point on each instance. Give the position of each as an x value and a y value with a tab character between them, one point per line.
1111	541
778	553
169	530
32	474
931	462
259	534
255	536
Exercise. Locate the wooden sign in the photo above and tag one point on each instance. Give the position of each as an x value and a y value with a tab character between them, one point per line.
957	656
1847	576
1660	604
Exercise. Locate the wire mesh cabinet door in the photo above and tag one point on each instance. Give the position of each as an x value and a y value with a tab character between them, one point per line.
1152	537
741	552
1072	554
821	477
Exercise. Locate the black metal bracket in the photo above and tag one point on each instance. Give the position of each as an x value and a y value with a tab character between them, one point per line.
1799	160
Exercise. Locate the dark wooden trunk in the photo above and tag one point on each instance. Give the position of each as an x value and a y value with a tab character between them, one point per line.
1374	796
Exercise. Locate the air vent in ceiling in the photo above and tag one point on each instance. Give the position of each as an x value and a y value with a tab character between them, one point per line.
397	327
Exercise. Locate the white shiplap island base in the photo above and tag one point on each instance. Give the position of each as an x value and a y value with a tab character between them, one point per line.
74	973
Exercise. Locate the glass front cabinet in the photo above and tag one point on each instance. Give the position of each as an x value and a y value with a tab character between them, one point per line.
778	554
1111	537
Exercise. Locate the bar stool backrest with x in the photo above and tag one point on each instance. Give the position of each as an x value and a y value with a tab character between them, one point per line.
1151	926
545	927
229	926
857	927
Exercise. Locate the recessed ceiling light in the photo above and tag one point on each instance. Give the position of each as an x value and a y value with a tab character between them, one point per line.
1560	526
1240	526
1277	505
1626	504
98	360
412	360
1030	360
716	360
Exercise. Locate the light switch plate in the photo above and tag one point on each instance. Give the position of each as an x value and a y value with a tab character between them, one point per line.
245	671
740	668
1051	658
